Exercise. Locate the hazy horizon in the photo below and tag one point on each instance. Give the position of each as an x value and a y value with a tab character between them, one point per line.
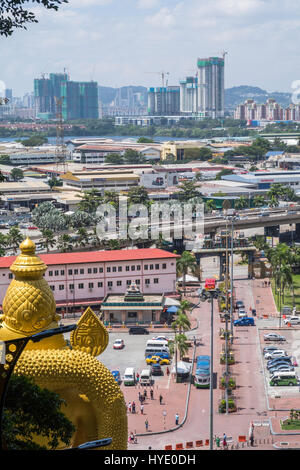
127	42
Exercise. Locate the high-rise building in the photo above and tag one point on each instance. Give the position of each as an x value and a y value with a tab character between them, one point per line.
164	101
211	87
79	99
189	95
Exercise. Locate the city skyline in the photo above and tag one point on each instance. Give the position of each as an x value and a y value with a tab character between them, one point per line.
119	43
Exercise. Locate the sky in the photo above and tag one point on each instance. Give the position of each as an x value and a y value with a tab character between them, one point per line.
129	42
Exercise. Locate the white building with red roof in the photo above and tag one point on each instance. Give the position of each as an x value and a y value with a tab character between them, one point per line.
80	279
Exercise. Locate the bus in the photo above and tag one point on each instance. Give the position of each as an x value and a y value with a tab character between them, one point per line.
202	374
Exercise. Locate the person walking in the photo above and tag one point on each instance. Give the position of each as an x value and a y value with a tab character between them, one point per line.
224	441
168	372
129	407
160	399
142	409
133	407
151	394
146	424
176	419
145	393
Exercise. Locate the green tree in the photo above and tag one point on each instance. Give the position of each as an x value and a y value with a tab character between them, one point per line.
31	411
14	238
48	239
35	141
64	243
13	15
188	190
210	205
134	157
3	244
145	140
259	201
241	203
16	174
90	200
114	159
224	172
54	181
138	195
186	263
83	237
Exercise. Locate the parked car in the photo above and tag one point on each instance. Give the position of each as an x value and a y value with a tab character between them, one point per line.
242	313
239	304
32	227
156	369
119	344
281	367
138	330
274	337
278	361
160	338
269	349
157	360
246	321
294	320
276	353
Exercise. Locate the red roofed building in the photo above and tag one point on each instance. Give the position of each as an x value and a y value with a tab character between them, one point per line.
79	279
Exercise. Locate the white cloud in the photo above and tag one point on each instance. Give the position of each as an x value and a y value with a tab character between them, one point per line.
147	4
164	18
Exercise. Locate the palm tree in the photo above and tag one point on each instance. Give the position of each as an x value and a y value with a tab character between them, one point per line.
83	237
48	239
182	345
64	243
186	263
90	201
3	244
181	324
259	201
241	203
14	238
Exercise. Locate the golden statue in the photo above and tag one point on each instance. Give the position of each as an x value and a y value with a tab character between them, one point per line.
94	401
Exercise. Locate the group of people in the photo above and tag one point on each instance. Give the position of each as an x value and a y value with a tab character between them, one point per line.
132	438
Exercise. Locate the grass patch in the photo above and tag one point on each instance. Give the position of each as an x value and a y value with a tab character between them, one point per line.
287	300
290	425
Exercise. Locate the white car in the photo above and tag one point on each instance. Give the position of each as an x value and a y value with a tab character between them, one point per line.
294	320
274	337
242	313
160	338
276	353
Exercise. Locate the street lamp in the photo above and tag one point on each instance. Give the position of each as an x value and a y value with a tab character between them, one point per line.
209	293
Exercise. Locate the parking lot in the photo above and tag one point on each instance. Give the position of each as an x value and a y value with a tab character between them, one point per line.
132	355
292	348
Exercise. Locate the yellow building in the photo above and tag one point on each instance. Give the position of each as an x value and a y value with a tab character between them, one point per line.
178	148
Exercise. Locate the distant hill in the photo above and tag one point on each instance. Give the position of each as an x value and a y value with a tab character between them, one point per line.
237	95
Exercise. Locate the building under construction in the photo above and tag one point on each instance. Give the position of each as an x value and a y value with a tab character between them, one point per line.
79	99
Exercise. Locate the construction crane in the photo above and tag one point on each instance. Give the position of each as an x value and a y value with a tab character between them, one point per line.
224	53
60	150
162	74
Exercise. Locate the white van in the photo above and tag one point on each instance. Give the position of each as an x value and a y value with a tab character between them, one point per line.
154	350
146	377
156	342
129	376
